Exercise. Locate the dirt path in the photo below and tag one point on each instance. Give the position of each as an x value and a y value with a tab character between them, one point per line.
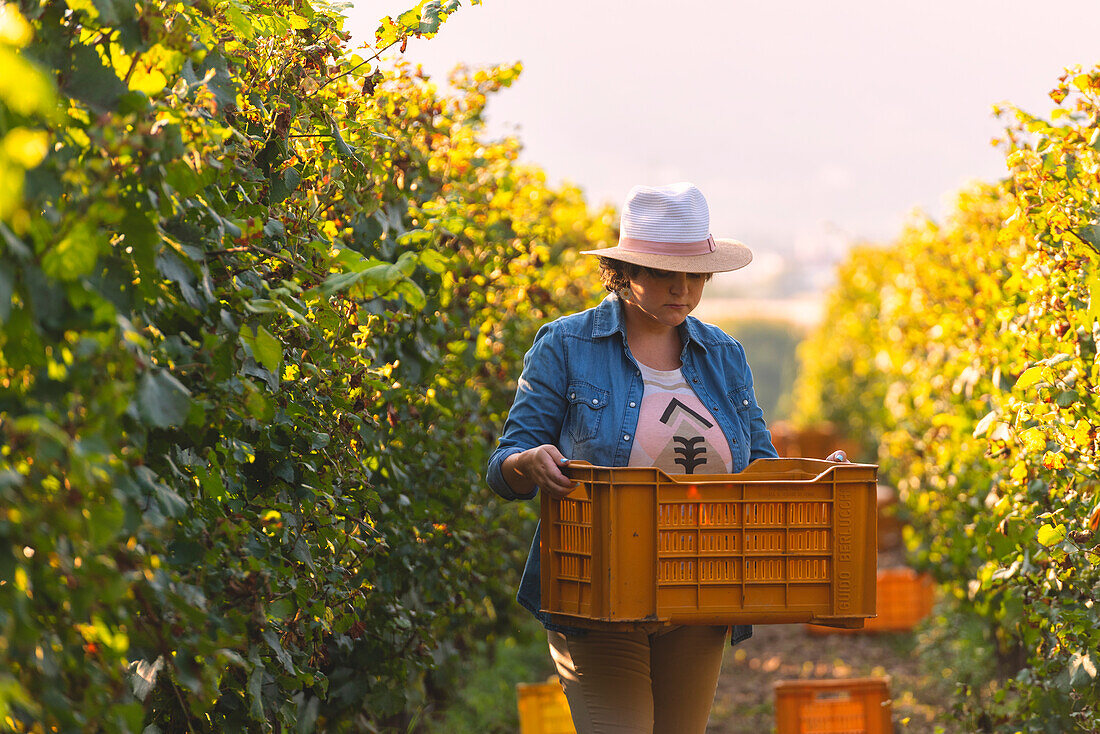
745	702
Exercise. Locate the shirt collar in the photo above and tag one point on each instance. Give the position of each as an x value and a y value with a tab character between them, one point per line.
609	319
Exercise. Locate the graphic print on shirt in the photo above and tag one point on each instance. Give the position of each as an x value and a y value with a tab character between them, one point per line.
676	433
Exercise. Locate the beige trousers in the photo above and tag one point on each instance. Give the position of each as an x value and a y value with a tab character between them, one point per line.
638	683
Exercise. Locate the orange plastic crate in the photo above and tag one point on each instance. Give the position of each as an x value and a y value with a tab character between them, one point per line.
904	599
543	709
852	706
786	540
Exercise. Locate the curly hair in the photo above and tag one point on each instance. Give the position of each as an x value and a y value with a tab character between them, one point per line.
616	274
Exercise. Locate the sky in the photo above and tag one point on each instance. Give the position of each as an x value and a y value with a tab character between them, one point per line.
807	125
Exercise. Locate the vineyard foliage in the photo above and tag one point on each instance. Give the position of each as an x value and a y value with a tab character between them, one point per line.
966	354
260	299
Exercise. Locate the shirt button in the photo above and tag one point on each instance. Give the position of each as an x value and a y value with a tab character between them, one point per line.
595	401
572	395
695	379
633	404
626	436
744	402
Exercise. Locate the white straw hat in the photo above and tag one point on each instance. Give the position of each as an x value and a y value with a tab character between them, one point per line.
668	228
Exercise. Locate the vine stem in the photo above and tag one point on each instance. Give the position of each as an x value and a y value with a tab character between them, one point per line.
269	253
334	77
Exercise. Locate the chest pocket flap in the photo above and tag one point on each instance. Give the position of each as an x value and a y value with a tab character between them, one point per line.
587	405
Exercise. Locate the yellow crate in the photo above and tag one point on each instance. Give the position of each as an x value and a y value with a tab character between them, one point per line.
786	540
543	709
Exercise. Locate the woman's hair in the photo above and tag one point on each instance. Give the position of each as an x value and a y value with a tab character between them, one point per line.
616	274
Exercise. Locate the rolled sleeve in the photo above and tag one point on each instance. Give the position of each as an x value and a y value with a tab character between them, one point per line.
495	475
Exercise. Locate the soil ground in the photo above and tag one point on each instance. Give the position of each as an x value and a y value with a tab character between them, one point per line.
745	701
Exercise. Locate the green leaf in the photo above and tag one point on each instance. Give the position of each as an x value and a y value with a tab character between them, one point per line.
342	146
142	237
1049	534
1082	669
255	691
105	520
301	552
276	646
75	255
412	293
429	18
375	280
434	260
218	79
114	12
7	288
239	22
162	401
88	80
267	350
284	185
307	714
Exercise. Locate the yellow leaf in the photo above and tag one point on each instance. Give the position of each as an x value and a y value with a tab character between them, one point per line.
149	81
1034	440
1052	460
22	86
1081	434
1030	376
1019	471
26	147
14	30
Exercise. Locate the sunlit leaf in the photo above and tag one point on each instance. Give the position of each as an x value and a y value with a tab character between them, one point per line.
76	254
1030	376
14	29
1048	534
26	147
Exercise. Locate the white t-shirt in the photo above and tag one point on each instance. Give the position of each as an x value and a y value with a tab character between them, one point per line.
676	433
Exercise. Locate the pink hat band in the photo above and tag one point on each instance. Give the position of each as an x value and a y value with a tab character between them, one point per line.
701	247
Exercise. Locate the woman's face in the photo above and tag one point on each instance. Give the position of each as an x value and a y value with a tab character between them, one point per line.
664	296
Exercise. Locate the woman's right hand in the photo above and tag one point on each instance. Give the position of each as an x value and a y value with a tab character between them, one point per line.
540	466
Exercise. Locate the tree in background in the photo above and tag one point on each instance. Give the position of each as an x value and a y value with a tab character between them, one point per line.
967	352
260	305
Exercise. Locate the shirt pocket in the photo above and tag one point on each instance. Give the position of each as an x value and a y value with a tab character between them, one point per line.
587	404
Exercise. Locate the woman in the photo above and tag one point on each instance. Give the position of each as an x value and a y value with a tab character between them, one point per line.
636	381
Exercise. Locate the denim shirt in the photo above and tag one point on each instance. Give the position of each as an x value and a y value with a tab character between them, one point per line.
581	390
